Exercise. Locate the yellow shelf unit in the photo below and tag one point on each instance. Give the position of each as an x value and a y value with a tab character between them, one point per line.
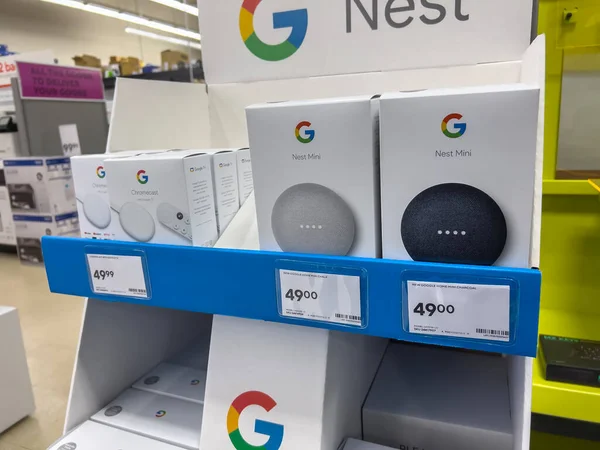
568	187
569	401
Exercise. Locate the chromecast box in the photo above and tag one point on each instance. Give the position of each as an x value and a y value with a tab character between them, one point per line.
164	198
316	175
458	174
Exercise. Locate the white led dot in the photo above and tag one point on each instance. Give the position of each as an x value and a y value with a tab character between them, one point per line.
463	232
314	226
301	226
447	232
440	231
455	232
320	227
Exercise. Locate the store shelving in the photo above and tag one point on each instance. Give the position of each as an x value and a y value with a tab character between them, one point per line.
242	284
569	401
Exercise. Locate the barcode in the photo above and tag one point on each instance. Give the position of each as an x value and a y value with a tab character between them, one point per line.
137	291
492	332
347	317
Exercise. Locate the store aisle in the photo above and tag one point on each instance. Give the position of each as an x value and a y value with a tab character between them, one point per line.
50	325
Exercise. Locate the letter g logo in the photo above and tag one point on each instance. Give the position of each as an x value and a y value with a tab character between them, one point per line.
297	20
273	430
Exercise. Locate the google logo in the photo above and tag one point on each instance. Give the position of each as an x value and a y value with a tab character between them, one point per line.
273	430
195	382
100	172
161	413
459	127
310	134
297	20
142	177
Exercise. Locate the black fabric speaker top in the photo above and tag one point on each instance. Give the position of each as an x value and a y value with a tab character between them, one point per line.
454	223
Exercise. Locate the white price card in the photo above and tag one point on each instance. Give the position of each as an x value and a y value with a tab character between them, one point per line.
324	297
117	275
69	138
460	310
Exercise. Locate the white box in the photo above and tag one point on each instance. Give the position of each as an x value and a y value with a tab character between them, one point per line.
7	226
164	197
40	185
96	218
15	385
458	169
29	230
176	381
95	436
244	171
254	40
9	144
225	177
354	444
316	172
309	385
435	398
166	419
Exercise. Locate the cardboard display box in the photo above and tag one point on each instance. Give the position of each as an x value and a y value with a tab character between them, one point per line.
170	59
87	61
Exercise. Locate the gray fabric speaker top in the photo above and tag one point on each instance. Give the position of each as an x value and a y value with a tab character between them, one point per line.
310	218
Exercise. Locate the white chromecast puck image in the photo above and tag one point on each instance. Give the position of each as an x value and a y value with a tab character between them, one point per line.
310	218
137	222
96	211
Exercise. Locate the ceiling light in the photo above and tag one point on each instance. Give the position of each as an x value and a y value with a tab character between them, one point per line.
180	5
127	17
160	37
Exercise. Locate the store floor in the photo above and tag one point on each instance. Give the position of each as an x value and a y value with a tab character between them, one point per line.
50	324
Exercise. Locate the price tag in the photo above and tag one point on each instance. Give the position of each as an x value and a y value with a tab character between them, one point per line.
461	310
320	296
69	138
117	275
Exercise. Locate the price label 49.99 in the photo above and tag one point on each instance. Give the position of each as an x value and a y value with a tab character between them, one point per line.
117	275
324	297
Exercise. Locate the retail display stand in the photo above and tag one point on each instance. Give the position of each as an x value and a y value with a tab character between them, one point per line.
301	386
15	385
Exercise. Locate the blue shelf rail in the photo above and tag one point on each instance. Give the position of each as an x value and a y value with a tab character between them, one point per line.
243	284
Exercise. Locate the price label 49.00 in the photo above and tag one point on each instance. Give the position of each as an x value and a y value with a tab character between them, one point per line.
117	275
324	297
461	310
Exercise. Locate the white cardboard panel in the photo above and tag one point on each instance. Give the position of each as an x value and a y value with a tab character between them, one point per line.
520	383
356	36
119	343
227	102
158	115
533	72
317	379
15	385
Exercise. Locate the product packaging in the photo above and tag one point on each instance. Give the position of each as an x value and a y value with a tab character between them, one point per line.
411	407
354	444
7	227
160	417
30	229
244	171
458	174
40	185
163	197
97	219
227	201
176	381
95	436
316	175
